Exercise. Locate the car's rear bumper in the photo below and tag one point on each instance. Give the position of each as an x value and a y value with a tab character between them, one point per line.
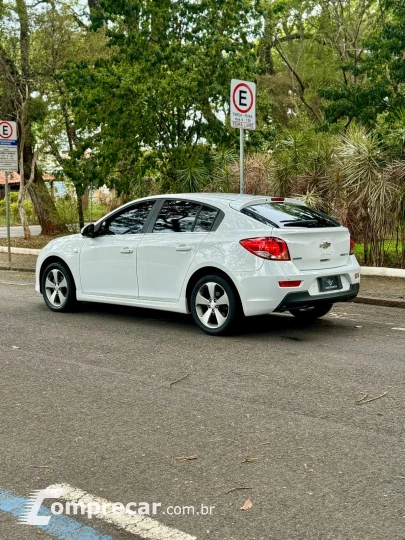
295	300
261	293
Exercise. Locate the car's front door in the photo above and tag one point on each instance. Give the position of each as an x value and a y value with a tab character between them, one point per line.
166	253
108	261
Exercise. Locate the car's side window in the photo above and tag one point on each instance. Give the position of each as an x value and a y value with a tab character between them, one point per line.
205	219
129	221
176	216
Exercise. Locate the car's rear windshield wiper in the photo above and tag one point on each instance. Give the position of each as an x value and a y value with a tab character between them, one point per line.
300	222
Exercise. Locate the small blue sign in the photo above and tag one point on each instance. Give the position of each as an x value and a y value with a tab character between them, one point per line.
8	143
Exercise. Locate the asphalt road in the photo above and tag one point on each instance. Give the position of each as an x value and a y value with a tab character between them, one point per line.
87	398
18	231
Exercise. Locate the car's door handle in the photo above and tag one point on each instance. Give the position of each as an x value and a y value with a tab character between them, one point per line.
183	247
126	250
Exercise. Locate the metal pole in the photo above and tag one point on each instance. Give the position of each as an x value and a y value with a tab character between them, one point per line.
242	158
91	203
8	216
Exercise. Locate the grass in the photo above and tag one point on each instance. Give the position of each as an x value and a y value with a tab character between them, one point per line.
393	253
14	221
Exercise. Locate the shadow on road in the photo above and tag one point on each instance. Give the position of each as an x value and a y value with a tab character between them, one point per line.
280	325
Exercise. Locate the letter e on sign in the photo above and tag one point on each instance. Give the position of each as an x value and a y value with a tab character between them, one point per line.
8	131
243	104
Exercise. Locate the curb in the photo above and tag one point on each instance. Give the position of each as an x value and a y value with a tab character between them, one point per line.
383	272
386	302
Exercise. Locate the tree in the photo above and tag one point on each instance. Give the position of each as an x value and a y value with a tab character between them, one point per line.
62	35
18	101
160	101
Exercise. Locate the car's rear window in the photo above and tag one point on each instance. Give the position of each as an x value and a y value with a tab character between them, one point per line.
285	214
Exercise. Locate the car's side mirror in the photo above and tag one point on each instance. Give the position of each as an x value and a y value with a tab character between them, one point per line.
89	231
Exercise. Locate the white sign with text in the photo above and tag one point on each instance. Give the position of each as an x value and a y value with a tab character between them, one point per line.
243	104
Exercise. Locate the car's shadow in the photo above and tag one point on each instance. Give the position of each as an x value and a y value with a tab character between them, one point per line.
275	323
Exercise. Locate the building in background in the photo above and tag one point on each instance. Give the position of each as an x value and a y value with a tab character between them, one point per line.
14	183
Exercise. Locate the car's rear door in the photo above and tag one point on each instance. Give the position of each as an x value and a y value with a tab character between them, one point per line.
167	250
108	261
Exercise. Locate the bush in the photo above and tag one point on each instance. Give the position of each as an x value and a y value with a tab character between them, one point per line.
67	213
14	213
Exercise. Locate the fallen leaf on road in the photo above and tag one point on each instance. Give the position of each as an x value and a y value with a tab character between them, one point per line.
358	327
186	458
363	401
15	347
248	504
236	488
250	460
178	380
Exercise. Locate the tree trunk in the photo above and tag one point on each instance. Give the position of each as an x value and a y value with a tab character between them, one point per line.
21	197
44	206
23	215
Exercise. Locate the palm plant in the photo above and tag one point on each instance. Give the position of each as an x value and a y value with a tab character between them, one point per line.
223	165
372	187
193	176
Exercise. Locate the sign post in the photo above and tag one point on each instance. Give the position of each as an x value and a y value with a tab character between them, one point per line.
243	115
242	159
8	163
6	193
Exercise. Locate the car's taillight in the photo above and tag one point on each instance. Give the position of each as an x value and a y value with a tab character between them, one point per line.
277	199
351	246
267	248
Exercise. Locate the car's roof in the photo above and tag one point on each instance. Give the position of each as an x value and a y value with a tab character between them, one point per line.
224	197
235	200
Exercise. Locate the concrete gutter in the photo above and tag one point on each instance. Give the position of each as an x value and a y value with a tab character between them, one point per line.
17	269
20	251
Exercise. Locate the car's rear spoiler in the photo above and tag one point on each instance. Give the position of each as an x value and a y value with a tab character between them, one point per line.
238	205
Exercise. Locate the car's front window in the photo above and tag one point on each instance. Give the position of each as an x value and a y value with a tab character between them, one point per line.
130	221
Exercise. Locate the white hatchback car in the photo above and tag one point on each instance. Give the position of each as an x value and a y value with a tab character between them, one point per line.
218	256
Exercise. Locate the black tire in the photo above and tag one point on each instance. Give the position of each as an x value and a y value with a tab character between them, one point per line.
312	313
65	297
231	311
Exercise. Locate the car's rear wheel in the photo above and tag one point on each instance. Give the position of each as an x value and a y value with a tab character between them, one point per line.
311	313
214	305
58	287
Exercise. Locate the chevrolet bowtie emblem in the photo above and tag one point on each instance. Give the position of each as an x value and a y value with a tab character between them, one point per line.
325	245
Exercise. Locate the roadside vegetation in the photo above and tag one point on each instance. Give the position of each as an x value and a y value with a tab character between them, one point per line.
135	96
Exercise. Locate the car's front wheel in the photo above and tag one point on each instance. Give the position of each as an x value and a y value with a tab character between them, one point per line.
311	313
214	305
58	287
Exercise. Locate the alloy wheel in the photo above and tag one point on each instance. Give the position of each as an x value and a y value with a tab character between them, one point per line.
56	288
212	305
